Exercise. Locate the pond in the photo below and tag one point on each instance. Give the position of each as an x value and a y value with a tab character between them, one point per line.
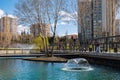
18	69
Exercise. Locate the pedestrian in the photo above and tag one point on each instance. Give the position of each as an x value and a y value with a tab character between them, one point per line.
90	47
97	47
84	49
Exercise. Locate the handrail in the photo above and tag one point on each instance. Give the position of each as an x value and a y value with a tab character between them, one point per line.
16	51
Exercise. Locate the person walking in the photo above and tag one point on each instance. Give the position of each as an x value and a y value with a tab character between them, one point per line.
97	47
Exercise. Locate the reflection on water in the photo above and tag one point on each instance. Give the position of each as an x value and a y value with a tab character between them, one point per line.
77	69
16	69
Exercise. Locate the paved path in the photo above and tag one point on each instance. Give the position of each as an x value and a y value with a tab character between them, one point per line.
115	56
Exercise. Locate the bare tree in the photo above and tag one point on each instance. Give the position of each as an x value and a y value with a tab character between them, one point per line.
72	8
79	9
54	7
31	12
40	11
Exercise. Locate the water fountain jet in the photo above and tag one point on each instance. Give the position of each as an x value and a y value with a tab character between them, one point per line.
77	64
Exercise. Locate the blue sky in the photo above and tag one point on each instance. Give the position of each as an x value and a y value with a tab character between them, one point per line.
7	6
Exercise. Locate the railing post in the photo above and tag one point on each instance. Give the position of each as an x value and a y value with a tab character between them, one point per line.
22	51
115	48
6	51
14	51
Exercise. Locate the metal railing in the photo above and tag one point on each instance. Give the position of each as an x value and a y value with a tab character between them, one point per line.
107	44
18	51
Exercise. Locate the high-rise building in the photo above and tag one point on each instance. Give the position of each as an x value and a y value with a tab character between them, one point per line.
97	18
111	16
40	29
13	28
103	13
84	20
8	30
117	27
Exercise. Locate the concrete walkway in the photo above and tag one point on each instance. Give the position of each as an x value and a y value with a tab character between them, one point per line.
69	54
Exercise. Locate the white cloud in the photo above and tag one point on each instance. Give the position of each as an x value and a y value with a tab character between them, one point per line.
1	12
74	15
22	28
63	23
68	16
60	23
68	34
63	13
12	16
52	24
66	19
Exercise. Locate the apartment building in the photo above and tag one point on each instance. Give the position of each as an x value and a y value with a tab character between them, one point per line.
40	29
117	27
103	13
84	20
8	30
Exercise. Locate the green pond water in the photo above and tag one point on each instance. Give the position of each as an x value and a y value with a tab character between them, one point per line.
17	69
